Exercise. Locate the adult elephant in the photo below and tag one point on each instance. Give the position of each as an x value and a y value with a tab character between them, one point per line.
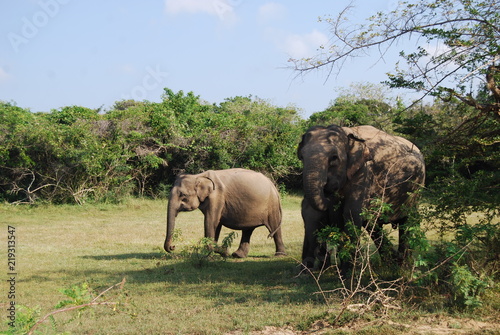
345	169
235	198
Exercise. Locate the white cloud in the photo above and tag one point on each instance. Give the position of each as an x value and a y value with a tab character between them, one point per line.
223	9
271	11
304	45
436	49
4	76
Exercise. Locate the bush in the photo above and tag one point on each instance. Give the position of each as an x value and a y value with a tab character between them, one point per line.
76	154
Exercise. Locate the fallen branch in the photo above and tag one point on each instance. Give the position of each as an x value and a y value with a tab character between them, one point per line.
93	302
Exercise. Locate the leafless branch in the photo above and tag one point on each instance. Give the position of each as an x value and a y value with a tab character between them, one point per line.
471	35
93	302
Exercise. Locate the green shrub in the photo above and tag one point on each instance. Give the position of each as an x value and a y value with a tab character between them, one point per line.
206	250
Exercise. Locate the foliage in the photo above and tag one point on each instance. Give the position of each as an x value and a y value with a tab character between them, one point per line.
71	114
456	46
456	43
360	104
28	320
342	242
462	155
466	287
76	154
459	133
349	114
361	289
207	250
77	294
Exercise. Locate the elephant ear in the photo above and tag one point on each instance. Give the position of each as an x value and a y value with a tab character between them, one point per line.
358	155
301	145
205	185
305	138
299	149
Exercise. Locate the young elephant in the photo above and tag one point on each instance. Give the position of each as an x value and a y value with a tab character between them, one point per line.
235	198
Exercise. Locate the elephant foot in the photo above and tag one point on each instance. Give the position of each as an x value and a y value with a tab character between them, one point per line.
221	251
239	254
280	254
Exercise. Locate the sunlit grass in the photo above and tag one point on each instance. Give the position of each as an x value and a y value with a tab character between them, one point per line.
61	246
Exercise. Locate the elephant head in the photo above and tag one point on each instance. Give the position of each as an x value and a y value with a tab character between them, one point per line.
331	156
187	194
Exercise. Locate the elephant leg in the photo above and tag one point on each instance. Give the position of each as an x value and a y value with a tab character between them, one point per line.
224	252
217	233
404	246
242	251
313	220
382	242
323	256
278	241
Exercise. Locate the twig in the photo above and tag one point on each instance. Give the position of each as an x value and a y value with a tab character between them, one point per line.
446	260
67	309
316	278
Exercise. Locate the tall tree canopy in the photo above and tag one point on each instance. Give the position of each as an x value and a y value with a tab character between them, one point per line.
466	34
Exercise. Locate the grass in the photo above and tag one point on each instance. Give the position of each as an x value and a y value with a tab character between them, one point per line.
62	246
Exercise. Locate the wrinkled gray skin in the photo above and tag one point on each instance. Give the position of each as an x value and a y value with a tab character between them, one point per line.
344	168
235	198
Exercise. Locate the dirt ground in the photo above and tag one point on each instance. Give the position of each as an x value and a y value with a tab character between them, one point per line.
438	325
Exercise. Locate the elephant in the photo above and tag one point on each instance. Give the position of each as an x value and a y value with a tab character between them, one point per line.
344	169
239	199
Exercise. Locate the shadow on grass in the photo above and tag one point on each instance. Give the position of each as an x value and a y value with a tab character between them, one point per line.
263	278
137	255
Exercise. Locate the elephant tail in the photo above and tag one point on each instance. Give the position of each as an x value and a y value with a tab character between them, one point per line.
271	234
275	214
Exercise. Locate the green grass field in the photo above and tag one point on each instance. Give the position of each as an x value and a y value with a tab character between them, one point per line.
58	247
62	246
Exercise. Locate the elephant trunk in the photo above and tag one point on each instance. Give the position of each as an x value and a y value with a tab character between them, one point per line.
171	215
315	179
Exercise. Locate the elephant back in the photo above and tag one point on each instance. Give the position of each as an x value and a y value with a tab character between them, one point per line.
396	170
251	190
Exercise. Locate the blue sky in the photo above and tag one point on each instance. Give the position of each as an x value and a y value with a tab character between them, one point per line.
90	53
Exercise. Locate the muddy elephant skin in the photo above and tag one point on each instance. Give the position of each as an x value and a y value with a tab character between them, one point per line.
345	169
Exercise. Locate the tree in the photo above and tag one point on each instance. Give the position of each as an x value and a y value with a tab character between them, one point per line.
360	104
456	60
70	114
463	74
467	35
